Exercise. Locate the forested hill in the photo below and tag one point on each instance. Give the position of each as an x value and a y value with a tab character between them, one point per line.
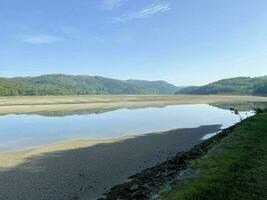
60	84
162	86
232	86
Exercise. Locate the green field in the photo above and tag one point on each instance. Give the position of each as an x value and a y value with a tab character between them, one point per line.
234	168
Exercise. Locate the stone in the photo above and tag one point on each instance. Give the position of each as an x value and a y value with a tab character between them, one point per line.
134	187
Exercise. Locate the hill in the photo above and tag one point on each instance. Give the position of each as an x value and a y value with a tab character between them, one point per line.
60	84
157	86
232	86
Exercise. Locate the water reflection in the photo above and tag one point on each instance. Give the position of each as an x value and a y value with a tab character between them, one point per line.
27	131
241	106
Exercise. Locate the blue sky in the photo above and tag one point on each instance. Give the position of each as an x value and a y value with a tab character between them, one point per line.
185	42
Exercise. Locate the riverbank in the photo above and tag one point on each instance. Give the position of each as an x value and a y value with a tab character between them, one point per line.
62	105
87	169
231	165
235	168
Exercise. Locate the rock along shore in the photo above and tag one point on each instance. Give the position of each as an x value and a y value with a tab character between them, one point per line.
148	183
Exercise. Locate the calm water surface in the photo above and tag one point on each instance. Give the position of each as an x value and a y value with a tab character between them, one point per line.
19	132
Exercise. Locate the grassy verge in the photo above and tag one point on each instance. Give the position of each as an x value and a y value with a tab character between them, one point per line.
235	168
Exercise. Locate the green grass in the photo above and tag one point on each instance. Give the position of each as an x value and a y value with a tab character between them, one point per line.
235	168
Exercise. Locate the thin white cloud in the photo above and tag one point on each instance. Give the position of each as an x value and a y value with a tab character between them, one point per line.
41	39
145	12
110	4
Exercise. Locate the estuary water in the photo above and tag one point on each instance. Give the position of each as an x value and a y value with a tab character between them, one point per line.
20	132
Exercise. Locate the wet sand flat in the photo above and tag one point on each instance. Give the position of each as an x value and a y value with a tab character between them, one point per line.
98	103
86	169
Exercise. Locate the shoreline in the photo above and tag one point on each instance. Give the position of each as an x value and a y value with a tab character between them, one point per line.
149	183
87	172
16	157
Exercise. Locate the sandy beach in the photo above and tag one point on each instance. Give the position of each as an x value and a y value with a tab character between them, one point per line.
87	169
59	105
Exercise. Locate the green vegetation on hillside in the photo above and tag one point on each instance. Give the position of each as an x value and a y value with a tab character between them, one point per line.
155	86
235	168
236	86
60	84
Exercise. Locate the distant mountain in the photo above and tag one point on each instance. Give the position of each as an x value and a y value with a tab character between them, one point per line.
60	84
233	86
161	87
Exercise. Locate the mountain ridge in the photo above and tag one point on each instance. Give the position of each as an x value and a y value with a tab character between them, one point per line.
231	86
64	84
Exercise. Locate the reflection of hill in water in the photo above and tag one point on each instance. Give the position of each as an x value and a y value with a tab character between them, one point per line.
241	106
64	113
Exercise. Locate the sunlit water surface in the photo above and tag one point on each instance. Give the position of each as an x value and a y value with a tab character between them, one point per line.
19	132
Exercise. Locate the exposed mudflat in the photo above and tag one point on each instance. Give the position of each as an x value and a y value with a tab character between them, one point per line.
101	103
87	169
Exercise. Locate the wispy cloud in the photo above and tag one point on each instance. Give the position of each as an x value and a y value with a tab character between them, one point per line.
110	4
41	39
145	12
